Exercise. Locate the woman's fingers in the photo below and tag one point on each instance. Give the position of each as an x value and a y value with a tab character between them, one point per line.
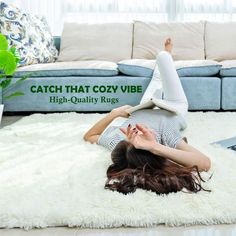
128	129
142	128
131	132
132	137
123	130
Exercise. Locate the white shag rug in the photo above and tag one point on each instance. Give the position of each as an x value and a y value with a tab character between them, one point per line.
50	177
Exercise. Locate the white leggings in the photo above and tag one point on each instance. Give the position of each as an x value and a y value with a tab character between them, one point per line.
166	80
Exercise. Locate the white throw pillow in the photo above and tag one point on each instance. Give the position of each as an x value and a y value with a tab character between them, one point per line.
108	42
187	39
220	40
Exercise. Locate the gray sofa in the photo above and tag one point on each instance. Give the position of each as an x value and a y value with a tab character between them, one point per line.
70	90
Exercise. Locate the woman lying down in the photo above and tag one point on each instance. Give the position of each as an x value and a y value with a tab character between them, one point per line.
147	149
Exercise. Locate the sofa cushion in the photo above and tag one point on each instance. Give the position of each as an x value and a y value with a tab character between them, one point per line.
144	68
220	40
108	42
30	34
228	68
71	99
187	37
137	67
74	68
228	100
199	68
203	93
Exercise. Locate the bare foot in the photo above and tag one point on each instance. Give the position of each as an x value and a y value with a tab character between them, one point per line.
168	45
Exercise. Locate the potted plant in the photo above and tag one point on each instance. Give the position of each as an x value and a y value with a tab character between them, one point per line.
9	58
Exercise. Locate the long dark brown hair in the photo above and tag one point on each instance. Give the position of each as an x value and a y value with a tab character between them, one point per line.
135	168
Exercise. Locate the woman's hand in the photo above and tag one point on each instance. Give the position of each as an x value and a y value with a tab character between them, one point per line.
121	111
140	136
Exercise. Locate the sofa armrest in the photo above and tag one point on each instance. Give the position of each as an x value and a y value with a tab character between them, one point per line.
57	42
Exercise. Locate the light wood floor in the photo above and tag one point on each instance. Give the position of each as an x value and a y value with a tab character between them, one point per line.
216	230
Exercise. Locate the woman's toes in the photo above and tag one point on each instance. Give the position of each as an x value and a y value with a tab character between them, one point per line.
168	45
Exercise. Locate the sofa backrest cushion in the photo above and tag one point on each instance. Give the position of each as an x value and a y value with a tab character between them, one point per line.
188	40
220	40
107	41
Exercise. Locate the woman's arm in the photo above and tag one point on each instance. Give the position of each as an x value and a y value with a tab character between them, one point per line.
143	138
185	155
93	134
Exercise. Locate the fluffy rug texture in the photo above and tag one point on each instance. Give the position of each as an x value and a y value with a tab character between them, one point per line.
50	177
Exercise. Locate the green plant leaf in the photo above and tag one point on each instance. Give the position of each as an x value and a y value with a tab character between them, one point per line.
7	62
2	76
3	42
15	53
15	94
17	82
22	79
5	82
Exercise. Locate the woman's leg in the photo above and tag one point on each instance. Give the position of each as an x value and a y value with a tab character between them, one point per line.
165	81
172	88
154	88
